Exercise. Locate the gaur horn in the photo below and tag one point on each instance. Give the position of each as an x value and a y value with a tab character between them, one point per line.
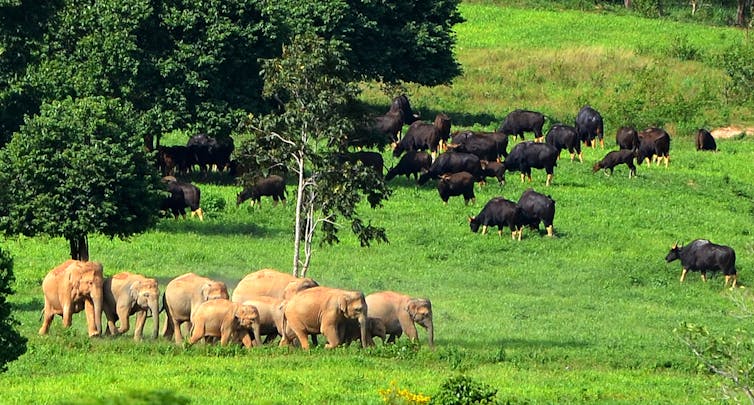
675	245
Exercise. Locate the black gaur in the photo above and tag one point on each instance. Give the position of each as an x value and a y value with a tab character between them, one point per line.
273	186
498	212
614	158
565	137
456	184
535	208
703	256
519	121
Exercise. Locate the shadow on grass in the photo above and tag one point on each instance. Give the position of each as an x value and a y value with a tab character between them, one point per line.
32	305
217	228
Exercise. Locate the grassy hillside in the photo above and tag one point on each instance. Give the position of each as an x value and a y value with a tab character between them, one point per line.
585	317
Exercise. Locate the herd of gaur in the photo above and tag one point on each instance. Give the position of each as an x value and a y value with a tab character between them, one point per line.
268	303
265	304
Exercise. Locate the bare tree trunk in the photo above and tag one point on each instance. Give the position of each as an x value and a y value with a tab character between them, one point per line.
742	12
693	6
79	247
627	3
299	206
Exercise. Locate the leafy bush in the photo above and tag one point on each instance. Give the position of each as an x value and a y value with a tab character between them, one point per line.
213	203
12	344
736	61
464	390
648	8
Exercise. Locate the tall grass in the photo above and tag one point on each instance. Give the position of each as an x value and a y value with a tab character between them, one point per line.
585	317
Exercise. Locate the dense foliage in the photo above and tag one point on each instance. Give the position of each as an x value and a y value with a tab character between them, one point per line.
194	64
12	343
78	168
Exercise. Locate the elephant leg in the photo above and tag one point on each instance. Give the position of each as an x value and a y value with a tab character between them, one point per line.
67	315
302	338
123	316
141	318
177	336
333	336
47	319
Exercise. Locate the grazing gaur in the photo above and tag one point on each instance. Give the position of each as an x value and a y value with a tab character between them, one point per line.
705	141
627	138
614	158
528	155
272	185
453	162
368	159
654	144
457	184
487	145
494	169
519	121
206	151
191	198
565	137
703	256
535	208
424	136
412	163
589	125
172	160
391	123
498	212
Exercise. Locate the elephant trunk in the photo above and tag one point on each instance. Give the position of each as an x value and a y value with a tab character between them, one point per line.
97	299
363	329
430	333
154	307
257	338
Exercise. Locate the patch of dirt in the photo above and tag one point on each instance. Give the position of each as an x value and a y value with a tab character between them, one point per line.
731	131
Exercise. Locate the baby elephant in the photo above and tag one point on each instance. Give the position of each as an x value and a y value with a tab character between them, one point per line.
614	158
375	327
126	294
230	321
399	312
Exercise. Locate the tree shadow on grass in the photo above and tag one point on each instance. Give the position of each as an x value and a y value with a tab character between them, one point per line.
33	304
218	228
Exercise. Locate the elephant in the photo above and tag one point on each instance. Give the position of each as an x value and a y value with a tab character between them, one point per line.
127	294
399	312
323	310
270	283
183	295
375	327
270	316
70	288
230	321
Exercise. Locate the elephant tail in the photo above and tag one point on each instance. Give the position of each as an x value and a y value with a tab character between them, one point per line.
167	332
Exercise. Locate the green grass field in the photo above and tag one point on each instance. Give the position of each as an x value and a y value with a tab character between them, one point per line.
585	317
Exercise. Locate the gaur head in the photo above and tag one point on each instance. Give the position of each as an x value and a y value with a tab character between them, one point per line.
674	254
474	224
596	167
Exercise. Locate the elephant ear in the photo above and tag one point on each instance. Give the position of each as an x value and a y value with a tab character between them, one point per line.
205	291
134	290
343	303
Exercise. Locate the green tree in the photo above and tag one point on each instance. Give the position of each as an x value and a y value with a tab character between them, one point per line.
389	40
186	64
314	82
79	167
12	344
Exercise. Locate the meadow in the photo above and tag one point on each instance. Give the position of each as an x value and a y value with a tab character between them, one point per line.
585	317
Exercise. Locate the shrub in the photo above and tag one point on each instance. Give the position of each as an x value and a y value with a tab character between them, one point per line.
12	344
464	390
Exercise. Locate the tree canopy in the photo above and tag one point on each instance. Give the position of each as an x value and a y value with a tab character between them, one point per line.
77	168
193	64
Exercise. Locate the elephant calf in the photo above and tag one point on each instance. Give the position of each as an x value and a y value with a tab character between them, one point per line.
126	294
182	297
375	327
229	321
270	316
399	312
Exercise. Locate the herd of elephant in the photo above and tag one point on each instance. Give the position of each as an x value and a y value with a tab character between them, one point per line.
265	303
